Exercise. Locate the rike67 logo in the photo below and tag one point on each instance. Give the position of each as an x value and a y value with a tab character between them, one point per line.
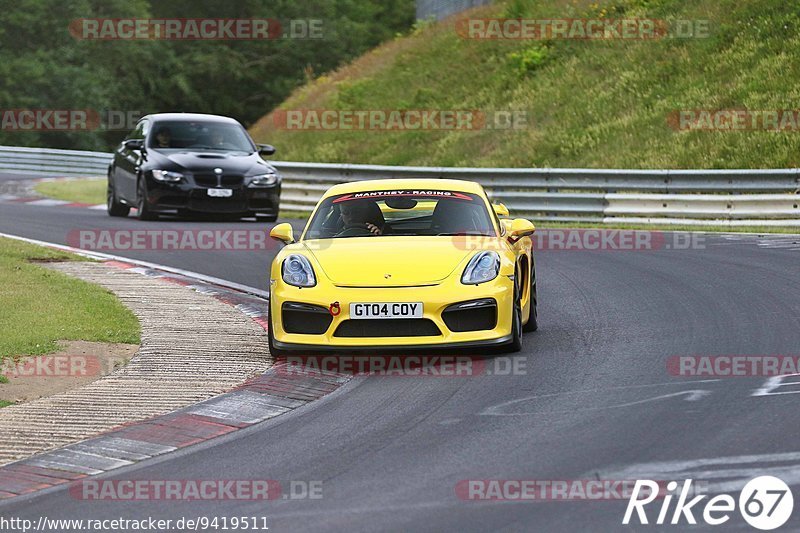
765	503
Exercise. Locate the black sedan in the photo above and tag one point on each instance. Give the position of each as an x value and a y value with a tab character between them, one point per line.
190	163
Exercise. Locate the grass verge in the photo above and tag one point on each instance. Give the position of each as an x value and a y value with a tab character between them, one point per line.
39	307
81	191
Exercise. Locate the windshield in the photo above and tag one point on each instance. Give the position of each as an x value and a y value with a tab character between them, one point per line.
200	136
394	213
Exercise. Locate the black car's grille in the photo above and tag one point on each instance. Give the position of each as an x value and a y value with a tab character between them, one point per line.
210	180
305	318
475	315
388	327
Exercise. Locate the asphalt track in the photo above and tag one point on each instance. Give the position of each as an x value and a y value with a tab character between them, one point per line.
596	399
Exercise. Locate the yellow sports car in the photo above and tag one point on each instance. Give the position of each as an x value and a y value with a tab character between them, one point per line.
401	264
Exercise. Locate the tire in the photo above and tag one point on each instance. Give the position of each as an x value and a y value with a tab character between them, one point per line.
516	320
145	211
533	320
113	206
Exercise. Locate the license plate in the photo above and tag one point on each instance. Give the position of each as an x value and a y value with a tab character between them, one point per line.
220	193
386	310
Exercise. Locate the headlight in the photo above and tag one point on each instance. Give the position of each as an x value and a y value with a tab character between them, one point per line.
297	271
264	179
167	176
483	267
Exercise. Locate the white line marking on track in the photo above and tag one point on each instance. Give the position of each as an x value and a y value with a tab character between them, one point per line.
776	382
722	474
693	395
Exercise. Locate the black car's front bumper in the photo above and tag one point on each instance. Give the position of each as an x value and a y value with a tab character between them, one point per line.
190	196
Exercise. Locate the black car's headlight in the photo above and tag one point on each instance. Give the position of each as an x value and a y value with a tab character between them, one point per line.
483	267
167	176
297	271
264	180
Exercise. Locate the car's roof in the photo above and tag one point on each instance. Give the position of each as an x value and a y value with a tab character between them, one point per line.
190	117
406	184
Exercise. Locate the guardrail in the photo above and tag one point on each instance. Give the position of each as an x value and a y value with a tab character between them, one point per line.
688	197
52	162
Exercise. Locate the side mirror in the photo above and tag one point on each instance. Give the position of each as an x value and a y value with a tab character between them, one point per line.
283	232
266	149
500	210
134	144
520	228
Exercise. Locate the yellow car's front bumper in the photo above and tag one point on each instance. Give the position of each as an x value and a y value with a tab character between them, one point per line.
435	299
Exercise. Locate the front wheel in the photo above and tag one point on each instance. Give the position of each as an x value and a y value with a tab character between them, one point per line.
142	205
113	206
533	320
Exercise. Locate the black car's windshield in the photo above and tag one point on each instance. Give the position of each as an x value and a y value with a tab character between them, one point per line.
193	135
400	212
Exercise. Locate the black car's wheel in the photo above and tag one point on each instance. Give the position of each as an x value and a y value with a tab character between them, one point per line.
533	320
113	206
145	211
516	319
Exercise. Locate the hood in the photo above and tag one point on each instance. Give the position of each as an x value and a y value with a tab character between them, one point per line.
206	161
366	261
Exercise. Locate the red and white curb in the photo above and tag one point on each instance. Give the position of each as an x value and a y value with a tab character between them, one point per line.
274	393
265	397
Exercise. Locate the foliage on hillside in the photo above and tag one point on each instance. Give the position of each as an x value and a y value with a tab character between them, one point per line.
589	103
42	66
